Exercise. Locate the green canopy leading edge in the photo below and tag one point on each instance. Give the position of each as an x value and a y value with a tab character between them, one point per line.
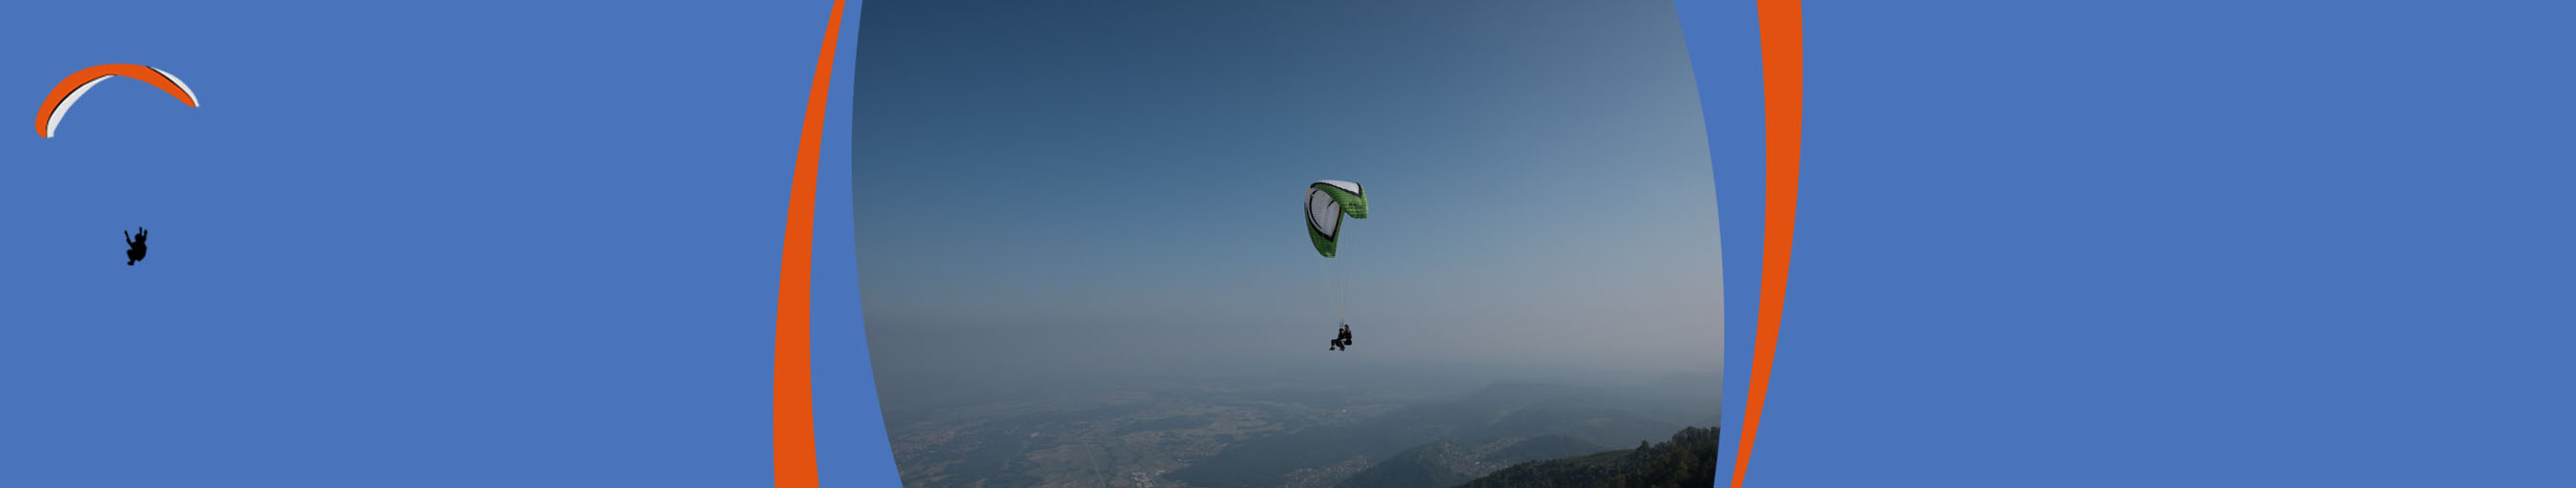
1326	202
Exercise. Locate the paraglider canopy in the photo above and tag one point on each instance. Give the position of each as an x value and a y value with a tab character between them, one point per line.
1326	202
69	91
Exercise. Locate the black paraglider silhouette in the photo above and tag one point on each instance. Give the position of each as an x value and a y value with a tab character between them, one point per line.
134	243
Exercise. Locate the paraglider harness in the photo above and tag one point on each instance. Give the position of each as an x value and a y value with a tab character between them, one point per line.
1344	340
134	245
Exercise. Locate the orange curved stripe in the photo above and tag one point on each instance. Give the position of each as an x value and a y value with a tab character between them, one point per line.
1783	104
63	94
795	464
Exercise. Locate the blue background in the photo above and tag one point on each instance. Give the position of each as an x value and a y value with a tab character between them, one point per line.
407	244
2166	244
2041	244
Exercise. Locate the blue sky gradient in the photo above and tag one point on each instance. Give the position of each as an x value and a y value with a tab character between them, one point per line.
1044	185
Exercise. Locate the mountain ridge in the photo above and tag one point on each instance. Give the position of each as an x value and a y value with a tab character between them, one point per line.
1689	458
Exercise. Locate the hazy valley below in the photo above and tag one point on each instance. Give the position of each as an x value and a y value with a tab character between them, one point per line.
1352	429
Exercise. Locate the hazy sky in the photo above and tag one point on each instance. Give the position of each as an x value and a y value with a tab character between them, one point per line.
1048	186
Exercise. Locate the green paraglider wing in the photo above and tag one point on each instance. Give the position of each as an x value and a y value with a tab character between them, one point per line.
1326	202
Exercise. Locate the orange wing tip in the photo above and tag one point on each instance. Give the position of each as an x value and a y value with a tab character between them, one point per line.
186	95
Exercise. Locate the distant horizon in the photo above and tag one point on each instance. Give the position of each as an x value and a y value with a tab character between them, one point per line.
915	391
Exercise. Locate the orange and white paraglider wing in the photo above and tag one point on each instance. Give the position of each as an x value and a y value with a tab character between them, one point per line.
72	87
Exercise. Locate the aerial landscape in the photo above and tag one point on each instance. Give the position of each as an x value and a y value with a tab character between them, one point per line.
1078	263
